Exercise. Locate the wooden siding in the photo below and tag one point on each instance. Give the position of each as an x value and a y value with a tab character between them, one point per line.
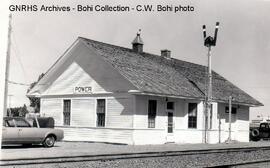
149	136
52	108
98	135
84	68
119	113
83	112
122	128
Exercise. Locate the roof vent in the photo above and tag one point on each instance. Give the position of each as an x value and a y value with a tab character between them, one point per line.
137	44
166	53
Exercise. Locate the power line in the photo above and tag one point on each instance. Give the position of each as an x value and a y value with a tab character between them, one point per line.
23	84
17	83
17	55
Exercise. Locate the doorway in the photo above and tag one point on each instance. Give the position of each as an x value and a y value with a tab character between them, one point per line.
170	121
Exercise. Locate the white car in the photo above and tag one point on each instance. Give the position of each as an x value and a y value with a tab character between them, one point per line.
17	130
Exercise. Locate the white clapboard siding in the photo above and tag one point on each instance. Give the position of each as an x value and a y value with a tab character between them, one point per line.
82	113
149	136
119	112
98	135
85	68
141	117
72	77
52	107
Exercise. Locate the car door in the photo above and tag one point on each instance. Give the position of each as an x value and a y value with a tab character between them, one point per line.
27	133
10	133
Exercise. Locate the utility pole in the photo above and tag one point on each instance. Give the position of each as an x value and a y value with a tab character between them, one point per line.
7	67
230	120
5	34
209	42
9	105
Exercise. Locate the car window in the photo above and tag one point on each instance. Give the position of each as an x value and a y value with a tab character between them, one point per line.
21	123
9	123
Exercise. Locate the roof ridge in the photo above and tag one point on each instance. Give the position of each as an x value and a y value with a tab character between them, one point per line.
143	53
173	60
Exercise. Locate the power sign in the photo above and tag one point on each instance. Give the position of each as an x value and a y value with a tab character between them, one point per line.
82	90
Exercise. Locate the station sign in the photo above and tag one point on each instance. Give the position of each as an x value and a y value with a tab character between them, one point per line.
82	89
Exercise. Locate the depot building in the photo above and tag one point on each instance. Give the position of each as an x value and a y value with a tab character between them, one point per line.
107	93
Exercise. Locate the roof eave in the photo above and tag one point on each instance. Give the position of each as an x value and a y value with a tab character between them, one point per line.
137	92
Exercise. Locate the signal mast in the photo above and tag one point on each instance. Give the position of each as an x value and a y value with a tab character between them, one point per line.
209	42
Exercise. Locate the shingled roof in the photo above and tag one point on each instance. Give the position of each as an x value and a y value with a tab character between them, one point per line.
158	75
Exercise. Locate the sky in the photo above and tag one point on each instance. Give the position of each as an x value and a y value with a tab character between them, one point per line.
241	55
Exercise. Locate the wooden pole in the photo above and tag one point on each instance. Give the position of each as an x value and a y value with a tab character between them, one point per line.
4	51
209	91
230	119
7	67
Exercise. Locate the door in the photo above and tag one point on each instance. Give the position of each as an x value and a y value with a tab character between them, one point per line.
27	133
170	121
10	133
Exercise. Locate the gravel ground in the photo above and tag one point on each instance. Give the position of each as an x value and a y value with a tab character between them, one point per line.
79	148
203	160
257	165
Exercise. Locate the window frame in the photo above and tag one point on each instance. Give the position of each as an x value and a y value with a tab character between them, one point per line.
151	119
173	106
170	110
66	112
98	113
234	110
17	123
192	125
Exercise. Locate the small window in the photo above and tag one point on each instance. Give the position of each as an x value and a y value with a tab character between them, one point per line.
101	112
192	115
152	112
66	112
234	110
170	106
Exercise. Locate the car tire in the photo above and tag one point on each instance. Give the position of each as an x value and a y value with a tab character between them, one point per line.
49	141
255	132
255	135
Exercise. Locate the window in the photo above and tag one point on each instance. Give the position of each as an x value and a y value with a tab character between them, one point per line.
66	112
192	115
152	112
170	105
21	123
211	114
234	110
101	112
233	117
10	123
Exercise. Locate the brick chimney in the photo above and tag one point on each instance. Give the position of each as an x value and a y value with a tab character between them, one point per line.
137	44
166	53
